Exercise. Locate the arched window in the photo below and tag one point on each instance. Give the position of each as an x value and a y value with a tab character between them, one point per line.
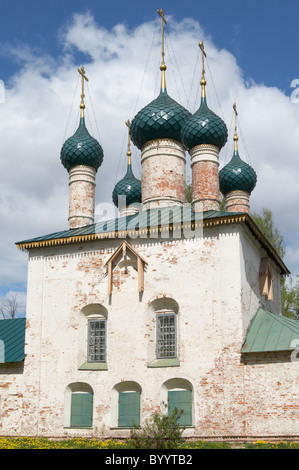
177	394
126	402
164	312
166	331
78	405
93	337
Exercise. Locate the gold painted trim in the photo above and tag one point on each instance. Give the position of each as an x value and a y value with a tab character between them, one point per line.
229	219
124	233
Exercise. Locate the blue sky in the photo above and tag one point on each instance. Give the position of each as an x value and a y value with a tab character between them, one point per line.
263	35
253	56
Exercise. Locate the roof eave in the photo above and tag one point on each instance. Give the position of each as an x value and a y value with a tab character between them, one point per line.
217	220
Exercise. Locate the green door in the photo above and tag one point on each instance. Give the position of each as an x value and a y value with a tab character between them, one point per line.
81	410
181	399
129	409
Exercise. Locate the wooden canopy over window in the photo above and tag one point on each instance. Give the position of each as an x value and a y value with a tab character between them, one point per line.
266	279
122	251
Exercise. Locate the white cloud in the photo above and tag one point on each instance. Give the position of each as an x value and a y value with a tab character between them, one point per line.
123	69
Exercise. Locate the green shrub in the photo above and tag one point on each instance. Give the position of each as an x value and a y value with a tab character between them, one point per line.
160	431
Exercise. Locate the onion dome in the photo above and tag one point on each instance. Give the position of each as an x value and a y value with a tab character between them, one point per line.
81	149
237	175
160	119
204	126
128	187
163	117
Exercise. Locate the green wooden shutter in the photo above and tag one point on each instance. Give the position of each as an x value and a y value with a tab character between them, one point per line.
129	409
81	410
181	399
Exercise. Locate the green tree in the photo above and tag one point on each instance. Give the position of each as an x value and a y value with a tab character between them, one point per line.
188	191
265	222
11	307
290	297
160	431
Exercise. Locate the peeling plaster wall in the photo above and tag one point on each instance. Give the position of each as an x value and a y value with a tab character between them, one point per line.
208	281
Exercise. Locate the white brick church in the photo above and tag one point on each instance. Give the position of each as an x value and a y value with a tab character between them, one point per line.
166	306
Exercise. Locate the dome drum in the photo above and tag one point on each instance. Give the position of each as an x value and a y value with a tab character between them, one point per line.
163	174
237	201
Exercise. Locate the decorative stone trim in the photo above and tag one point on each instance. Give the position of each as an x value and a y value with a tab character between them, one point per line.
204	153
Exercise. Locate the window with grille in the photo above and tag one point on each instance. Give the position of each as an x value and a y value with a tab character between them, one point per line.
166	335
97	340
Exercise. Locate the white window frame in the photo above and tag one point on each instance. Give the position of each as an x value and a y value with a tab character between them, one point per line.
102	341
165	337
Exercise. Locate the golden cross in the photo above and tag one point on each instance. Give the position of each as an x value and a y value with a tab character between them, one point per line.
82	105
235	136
162	66
235	109
203	54
161	13
203	80
128	124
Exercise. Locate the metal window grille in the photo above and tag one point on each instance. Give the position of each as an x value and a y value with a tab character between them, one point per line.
96	340
166	335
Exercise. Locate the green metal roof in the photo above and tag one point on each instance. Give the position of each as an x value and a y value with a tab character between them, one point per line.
144	219
12	340
144	223
271	332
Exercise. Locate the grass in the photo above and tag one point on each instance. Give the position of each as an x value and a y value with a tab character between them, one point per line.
83	443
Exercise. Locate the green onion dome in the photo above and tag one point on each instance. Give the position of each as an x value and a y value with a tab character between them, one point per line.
237	176
130	187
160	119
81	149
204	127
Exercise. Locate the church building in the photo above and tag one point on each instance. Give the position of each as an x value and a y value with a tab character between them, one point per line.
169	305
